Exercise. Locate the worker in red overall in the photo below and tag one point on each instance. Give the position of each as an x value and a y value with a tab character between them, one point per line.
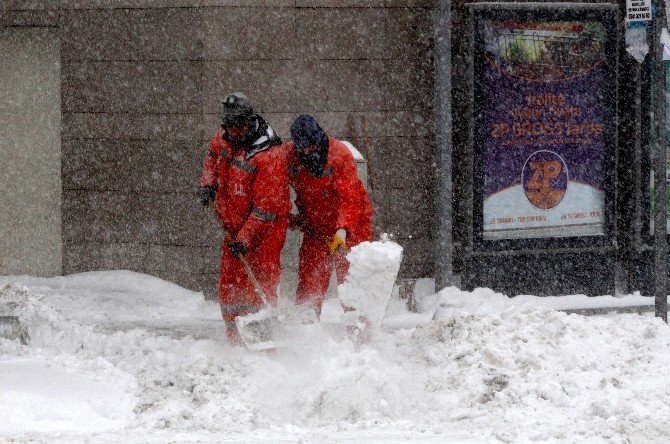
245	180
334	212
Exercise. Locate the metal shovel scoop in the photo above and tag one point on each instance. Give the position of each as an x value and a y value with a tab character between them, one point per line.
259	330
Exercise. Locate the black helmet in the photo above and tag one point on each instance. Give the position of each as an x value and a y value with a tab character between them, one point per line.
237	110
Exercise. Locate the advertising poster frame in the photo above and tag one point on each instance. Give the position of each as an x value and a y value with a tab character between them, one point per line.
595	114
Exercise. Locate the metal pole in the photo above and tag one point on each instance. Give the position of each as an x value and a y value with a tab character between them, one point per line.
443	126
660	210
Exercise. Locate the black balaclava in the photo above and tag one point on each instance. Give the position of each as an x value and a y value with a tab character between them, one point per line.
236	111
305	132
252	134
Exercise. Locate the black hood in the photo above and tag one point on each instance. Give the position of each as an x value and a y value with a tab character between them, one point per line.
307	132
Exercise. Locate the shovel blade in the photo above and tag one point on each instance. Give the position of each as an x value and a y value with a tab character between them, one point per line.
10	328
260	331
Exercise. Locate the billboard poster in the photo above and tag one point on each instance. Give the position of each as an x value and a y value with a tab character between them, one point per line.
543	135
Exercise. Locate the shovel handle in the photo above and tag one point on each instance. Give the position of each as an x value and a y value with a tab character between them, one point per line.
254	281
245	263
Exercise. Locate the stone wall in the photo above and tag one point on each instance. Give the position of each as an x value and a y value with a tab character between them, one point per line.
141	87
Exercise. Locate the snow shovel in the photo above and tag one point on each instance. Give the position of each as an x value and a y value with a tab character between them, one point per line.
10	328
259	329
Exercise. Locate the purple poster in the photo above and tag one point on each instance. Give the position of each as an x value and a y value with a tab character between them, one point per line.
544	141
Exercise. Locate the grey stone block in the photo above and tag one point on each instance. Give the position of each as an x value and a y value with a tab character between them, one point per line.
23	5
410	84
343	33
366	85
410	3
338	3
410	152
206	283
131	34
405	212
264	3
350	85
150	165
132	126
32	17
90	256
249	33
379	124
402	162
183	259
410	33
272	85
418	258
144	87
177	218
115	4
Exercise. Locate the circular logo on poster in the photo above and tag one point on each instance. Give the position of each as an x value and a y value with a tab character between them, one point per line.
545	179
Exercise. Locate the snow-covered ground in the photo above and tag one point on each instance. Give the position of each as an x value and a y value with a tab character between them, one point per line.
123	357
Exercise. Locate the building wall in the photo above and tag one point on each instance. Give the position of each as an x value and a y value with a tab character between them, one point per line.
142	82
30	169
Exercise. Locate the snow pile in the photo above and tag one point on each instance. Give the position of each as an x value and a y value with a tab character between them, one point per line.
489	302
485	369
47	387
369	283
132	298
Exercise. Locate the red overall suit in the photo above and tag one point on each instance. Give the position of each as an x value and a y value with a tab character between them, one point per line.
336	199
253	203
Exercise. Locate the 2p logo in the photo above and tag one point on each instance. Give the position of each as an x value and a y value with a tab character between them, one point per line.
545	179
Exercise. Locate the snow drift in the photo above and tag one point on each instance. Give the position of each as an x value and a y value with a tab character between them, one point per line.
484	369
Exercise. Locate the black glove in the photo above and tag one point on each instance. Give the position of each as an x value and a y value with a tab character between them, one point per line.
296	221
237	249
207	194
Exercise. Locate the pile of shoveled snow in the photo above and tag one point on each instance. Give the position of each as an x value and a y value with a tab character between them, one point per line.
483	369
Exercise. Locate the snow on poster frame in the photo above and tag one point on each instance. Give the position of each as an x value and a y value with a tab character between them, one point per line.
544	141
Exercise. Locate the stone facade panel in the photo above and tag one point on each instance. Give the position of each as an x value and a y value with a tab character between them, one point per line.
178	219
30	17
341	33
131	126
131	34
272	85
417	257
186	259
339	3
167	166
87	256
248	34
405	213
410	33
23	5
141	87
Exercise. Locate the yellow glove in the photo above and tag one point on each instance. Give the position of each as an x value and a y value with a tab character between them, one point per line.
339	242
